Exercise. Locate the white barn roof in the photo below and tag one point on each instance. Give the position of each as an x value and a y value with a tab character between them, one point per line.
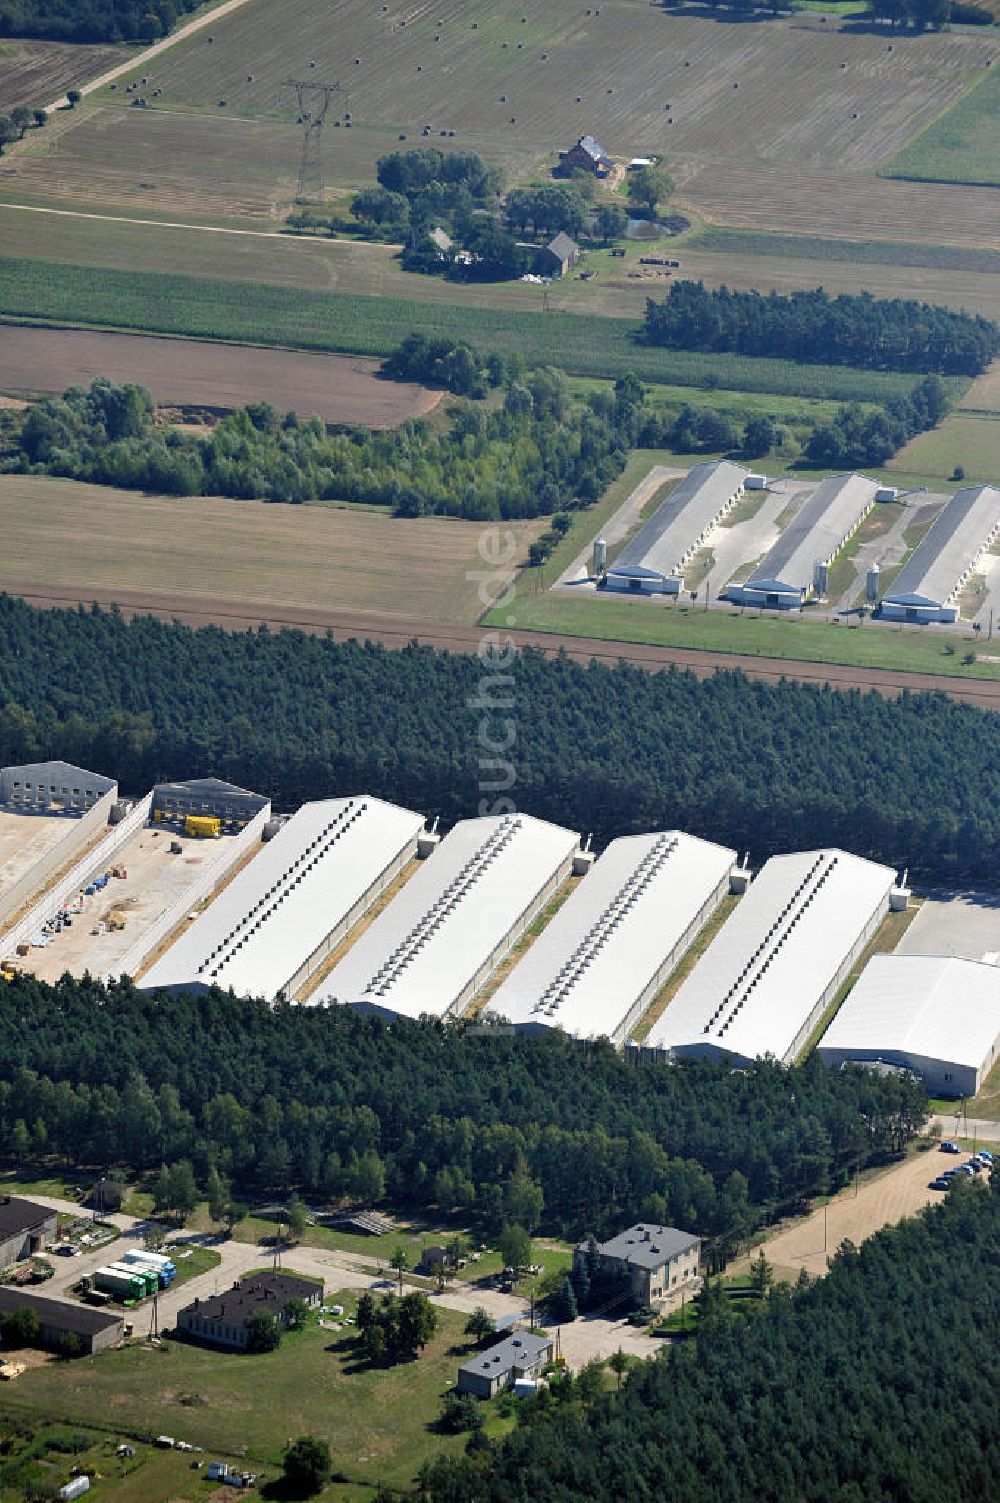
444	934
276	912
664	543
763	981
833	510
938	1015
948	552
589	972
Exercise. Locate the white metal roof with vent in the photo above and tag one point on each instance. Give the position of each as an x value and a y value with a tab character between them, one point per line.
598	957
945	556
441	938
302	884
760	982
933	1014
664	543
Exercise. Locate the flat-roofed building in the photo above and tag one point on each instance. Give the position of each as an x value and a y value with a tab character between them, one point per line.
64	1326
442	937
281	916
776	963
796	567
938	1016
929	583
653	561
612	945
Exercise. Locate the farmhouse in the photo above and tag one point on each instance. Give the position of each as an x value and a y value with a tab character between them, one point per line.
762	984
441	938
523	1355
656	1261
586	156
798	564
25	1228
652	563
929	583
611	946
280	917
556	258
938	1016
225	1319
61	1323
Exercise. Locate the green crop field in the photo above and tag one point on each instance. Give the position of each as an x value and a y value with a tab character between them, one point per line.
962	146
264	314
732	242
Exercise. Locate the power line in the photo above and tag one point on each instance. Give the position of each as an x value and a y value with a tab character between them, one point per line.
313	101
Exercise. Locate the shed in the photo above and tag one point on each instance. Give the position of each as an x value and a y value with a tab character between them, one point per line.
523	1355
558	256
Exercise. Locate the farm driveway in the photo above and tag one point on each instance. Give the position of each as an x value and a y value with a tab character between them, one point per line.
138	58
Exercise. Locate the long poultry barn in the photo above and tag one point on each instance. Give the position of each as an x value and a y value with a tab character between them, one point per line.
443	936
653	561
797	566
280	918
762	985
928	585
612	945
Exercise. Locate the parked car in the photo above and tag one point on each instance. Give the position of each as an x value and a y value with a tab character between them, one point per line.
968	1170
987	1157
940	1183
949	1146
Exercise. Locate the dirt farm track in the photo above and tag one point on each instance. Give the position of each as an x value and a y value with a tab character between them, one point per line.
395	633
339	388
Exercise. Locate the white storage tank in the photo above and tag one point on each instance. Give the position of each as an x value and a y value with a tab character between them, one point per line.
871	584
599	563
821	576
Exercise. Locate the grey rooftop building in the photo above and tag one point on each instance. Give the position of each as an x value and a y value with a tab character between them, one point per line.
652	562
656	1260
797	565
928	585
522	1355
235	806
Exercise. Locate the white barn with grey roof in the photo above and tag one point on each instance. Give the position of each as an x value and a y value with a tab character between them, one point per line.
762	984
653	561
928	585
936	1015
442	937
284	913
612	945
796	566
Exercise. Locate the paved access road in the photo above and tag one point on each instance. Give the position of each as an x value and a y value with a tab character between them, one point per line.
952	1126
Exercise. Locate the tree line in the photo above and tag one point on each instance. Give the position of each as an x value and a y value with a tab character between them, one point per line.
512	1132
537	451
859	436
866	1386
758	766
896	334
91	20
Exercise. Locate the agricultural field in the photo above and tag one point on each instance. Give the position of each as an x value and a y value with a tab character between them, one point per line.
206	308
194	374
226	554
34	73
218	136
968	439
962	146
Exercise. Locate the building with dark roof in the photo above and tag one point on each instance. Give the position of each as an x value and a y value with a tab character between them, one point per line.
225	1319
588	156
25	1228
556	258
655	1260
60	1322
235	806
523	1355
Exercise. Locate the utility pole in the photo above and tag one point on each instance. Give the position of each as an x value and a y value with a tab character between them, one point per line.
313	100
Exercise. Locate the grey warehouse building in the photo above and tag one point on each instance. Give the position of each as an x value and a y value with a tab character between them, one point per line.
60	1322
928	585
235	806
797	565
652	563
53	788
25	1228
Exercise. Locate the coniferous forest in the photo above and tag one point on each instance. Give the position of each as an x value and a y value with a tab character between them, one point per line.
873	1385
501	1128
613	751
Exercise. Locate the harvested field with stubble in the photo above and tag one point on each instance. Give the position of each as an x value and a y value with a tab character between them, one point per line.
253	554
33	73
339	389
735	108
